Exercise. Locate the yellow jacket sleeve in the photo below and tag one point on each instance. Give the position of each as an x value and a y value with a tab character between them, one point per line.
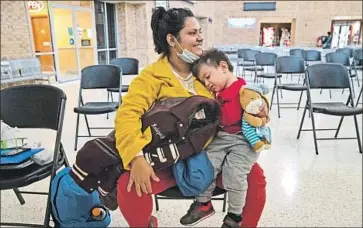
130	140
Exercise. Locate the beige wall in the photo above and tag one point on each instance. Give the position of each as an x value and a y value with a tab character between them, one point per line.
132	31
313	19
16	34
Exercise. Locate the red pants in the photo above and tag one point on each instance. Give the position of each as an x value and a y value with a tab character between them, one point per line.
137	210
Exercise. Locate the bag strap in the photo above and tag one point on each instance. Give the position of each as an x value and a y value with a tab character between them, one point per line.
55	195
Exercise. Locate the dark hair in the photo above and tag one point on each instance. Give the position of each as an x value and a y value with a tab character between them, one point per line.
164	22
329	33
211	57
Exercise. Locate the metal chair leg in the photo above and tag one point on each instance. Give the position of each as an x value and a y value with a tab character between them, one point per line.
273	93
339	125
19	196
302	121
156	202
298	106
47	212
281	89
89	131
108	99
314	132
224	202
357	131
76	140
278	102
353	90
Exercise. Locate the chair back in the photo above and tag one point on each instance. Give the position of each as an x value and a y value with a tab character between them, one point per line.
338	57
250	55
265	59
358	54
290	65
347	51
297	52
240	52
312	55
129	66
100	77
33	106
30	67
327	76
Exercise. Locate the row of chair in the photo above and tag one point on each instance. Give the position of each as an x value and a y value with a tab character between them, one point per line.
23	69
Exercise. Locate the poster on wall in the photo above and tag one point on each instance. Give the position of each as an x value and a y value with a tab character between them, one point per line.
241	22
268	35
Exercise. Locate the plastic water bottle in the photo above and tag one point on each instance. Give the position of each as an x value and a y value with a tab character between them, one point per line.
99	213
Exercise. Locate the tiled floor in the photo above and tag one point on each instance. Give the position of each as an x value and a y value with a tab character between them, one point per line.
303	189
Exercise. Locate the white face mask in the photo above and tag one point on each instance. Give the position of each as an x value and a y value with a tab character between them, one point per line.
186	55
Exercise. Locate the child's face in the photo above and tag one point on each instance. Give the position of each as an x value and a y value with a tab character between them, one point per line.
214	78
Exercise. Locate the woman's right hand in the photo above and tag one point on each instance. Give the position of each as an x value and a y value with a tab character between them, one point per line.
140	175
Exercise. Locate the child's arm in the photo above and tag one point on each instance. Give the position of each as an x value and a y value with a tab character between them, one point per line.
254	121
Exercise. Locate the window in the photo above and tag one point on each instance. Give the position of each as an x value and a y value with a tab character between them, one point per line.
105	16
259	6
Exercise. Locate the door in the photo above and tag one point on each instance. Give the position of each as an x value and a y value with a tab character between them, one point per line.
43	42
63	25
85	44
336	32
74	40
343	36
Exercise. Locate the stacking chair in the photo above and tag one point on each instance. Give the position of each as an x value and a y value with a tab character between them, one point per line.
265	60
342	58
347	51
33	106
358	59
175	194
249	56
241	62
297	52
97	77
329	76
312	56
129	66
315	57
288	65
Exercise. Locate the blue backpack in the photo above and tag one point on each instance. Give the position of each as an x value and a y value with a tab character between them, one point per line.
194	174
72	205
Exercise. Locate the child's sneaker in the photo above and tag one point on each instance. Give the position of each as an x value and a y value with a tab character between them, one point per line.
228	222
196	213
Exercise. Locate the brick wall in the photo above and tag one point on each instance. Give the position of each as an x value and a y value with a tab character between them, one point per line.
132	31
313	19
16	34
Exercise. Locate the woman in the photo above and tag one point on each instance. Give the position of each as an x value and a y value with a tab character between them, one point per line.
177	36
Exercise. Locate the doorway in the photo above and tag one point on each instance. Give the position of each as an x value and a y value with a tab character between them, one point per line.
275	34
43	42
73	39
346	33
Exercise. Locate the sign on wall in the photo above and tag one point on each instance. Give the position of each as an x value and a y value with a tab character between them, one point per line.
163	3
35	6
241	22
